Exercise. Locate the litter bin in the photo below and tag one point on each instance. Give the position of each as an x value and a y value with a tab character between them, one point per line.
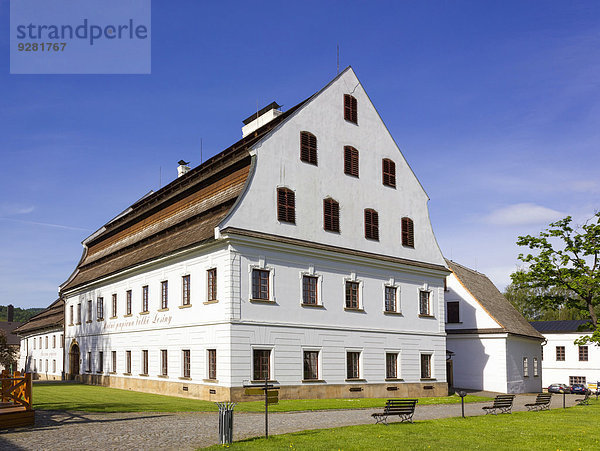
225	422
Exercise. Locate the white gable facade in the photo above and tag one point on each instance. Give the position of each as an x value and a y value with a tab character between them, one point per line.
321	313
488	354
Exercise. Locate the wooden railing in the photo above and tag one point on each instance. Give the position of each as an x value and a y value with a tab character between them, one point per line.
16	389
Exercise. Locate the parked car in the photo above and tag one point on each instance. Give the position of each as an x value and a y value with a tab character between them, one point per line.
579	389
559	388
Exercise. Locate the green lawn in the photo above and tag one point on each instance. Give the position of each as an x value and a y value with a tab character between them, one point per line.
90	398
569	429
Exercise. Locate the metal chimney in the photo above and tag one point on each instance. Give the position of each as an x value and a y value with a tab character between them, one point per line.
10	316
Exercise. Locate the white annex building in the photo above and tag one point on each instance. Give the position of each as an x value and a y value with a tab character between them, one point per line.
565	362
42	343
494	348
303	254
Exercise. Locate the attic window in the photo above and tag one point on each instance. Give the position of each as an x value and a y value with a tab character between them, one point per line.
286	205
371	224
331	215
389	173
350	109
351	161
308	148
408	233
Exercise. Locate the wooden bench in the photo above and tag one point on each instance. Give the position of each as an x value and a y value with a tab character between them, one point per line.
403	408
542	402
502	404
585	400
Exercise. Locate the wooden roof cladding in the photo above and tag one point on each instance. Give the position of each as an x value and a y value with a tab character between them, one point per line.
53	316
181	215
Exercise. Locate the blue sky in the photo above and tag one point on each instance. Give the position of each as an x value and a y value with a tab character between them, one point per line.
495	105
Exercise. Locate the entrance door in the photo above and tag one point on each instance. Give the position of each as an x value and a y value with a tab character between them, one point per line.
74	361
449	375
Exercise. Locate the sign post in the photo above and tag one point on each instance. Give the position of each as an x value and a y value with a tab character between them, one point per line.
271	396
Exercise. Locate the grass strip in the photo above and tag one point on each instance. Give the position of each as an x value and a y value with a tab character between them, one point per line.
91	398
558	429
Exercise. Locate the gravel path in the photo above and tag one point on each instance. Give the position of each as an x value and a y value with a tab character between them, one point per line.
130	431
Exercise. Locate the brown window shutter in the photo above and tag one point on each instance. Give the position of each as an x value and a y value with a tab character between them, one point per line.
408	233
371	224
389	172
351	161
286	205
350	108
308	148
331	215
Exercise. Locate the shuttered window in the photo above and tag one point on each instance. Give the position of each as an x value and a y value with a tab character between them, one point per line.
331	215
371	224
286	205
308	148
351	161
350	108
408	232
389	173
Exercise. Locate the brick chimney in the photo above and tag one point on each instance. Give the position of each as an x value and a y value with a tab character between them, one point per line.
10	316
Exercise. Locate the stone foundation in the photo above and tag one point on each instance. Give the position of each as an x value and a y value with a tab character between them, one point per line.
46	377
214	393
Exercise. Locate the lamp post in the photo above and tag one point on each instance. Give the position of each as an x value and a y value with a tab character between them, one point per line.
462	395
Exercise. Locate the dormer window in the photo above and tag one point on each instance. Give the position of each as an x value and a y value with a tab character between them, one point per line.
351	161
408	233
389	173
308	148
371	224
331	215
286	205
350	109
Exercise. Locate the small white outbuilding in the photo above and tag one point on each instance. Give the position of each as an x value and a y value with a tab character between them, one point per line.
490	345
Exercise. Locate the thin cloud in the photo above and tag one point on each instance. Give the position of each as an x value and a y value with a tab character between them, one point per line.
15	209
46	224
522	214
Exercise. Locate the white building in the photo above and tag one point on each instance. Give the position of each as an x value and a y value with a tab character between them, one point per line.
494	347
303	253
565	362
42	343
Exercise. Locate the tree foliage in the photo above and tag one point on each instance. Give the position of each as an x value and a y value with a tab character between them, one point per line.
563	270
8	354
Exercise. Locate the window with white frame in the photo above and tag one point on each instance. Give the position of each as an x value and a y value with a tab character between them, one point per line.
535	367
187	363
100	308
78	313
426	366
128	297
164	362
128	362
391	299
261	364
352	295
211	357
144	363
89	362
424	303
353	365
114	361
100	362
260	284
114	305
310	290
310	361
391	365
525	367
164	294
185	290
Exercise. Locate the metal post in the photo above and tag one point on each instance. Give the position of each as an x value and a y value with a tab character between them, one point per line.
266	405
462	402
564	397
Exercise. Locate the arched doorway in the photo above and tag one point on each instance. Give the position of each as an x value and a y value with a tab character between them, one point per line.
74	360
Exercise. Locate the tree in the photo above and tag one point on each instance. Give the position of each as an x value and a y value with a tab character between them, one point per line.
8	354
564	272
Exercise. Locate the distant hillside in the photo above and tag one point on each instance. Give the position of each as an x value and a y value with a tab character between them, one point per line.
21	315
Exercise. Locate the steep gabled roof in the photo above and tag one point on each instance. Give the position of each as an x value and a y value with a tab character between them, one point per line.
181	215
488	296
53	316
565	326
